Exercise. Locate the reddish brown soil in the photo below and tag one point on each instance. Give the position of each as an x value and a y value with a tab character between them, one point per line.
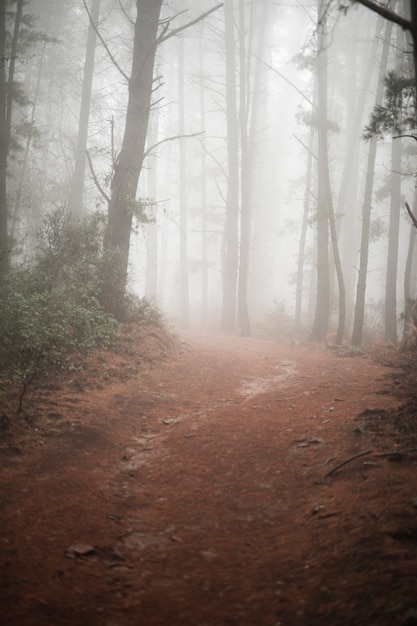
197	483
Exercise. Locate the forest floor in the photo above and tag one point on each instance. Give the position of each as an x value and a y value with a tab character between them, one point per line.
195	482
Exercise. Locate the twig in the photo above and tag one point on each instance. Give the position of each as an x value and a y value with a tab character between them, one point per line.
411	214
96	181
395	452
174	32
352	458
25	384
159	143
106	47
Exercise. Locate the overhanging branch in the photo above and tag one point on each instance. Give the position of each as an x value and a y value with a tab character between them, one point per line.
159	143
165	35
386	13
113	60
411	214
95	179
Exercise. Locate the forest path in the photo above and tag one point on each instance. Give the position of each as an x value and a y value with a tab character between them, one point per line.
196	494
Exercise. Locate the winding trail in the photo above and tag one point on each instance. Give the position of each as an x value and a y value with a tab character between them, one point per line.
195	495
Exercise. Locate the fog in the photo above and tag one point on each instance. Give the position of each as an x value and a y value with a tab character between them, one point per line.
177	260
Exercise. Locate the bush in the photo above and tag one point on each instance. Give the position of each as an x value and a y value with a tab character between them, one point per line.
50	308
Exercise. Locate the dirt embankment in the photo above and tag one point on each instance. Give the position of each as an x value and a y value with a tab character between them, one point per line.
206	489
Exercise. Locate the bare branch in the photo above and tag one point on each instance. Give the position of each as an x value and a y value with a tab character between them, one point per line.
96	181
352	458
149	150
288	81
386	13
217	162
163	37
113	60
411	214
123	10
304	146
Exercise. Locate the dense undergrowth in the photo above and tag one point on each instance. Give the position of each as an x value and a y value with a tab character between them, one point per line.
53	309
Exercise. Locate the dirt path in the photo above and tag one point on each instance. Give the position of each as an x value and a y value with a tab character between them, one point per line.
196	495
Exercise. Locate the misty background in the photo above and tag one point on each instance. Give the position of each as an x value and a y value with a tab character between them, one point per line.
267	100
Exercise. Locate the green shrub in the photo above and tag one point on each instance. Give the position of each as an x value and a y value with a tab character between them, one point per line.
50	307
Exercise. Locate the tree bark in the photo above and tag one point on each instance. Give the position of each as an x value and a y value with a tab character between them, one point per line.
393	235
408	295
129	163
322	311
245	181
4	240
230	235
359	318
203	192
6	108
184	288
303	233
75	202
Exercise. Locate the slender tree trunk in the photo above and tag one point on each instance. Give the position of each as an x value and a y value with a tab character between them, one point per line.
7	58
245	178
407	275
347	201
230	236
260	231
339	273
394	230
129	163
393	243
25	161
303	233
151	233
203	192
321	318
75	202
366	210
4	148
184	290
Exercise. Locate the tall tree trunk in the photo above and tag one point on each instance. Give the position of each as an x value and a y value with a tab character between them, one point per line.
184	292
303	233
129	163
338	266
203	192
29	137
230	235
151	233
367	202
245	178
75	202
393	243
321	318
394	230
347	200
7	58
408	295
4	148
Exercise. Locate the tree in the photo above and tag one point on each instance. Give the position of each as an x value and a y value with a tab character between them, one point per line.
245	176
123	204
75	201
4	149
7	95
322	312
184	289
409	25
230	236
367	204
